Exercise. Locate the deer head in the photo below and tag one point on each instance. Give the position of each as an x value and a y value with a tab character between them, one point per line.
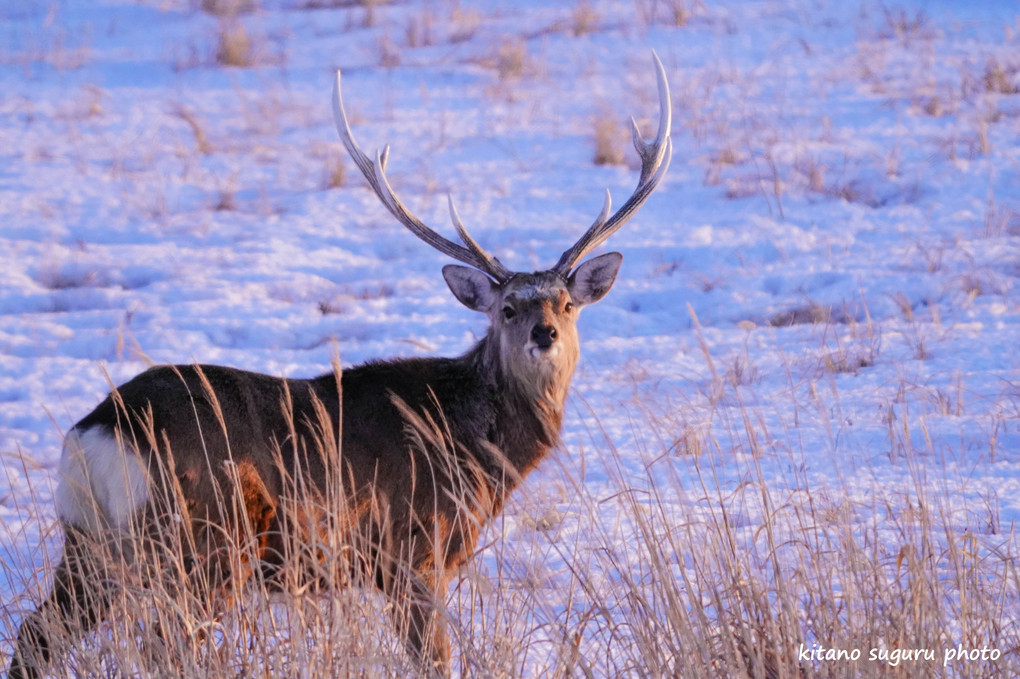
532	316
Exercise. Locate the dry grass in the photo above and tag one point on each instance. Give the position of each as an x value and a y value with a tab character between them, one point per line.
511	60
669	12
1000	79
584	19
233	47
665	574
464	24
228	8
202	144
389	53
609	142
690	576
420	28
335	174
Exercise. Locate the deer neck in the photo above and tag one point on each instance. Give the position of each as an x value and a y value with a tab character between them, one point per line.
529	403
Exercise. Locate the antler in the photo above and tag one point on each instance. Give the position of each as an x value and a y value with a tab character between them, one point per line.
375	173
655	156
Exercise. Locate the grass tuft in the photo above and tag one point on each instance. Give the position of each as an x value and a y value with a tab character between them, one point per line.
335	174
511	60
689	577
228	8
233	47
584	19
609	142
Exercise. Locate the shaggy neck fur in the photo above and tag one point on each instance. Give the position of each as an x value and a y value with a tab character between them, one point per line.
532	395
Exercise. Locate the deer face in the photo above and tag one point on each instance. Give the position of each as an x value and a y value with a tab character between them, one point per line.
533	316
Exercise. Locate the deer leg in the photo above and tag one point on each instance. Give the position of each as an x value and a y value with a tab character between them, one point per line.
426	634
231	535
76	605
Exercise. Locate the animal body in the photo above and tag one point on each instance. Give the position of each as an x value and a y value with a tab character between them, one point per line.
422	451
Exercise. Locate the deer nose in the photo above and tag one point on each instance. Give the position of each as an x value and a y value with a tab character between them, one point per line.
543	336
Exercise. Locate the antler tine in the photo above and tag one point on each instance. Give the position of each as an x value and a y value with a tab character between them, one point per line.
655	156
493	265
375	174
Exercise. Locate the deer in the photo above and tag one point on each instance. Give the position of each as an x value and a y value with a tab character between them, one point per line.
425	450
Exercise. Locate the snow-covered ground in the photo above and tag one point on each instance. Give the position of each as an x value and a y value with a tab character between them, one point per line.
834	253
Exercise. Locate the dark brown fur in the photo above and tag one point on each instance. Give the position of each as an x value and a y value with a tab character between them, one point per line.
414	433
428	449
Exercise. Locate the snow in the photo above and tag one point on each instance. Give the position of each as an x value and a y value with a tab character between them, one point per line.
835	249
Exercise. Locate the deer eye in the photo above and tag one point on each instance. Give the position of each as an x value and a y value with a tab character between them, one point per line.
568	307
508	312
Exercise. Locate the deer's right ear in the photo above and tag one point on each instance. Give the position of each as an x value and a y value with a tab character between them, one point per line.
474	289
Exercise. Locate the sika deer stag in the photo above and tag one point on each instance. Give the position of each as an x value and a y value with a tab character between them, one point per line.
231	449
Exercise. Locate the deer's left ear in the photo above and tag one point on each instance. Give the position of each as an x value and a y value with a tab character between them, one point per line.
471	287
591	281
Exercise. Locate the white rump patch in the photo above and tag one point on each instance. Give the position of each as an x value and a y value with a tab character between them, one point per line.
102	484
